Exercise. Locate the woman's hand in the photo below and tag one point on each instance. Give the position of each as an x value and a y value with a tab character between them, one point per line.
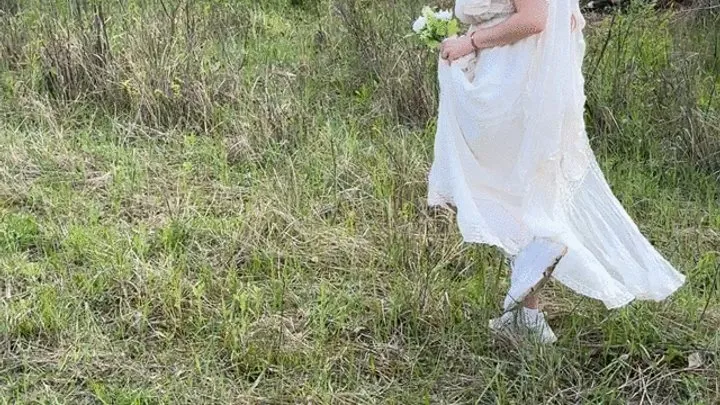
455	48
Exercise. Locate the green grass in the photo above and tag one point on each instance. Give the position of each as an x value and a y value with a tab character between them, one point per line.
231	209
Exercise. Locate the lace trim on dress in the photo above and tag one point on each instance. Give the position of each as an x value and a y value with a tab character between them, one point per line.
488	9
478	11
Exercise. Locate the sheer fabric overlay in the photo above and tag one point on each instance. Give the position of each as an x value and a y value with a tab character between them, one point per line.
512	155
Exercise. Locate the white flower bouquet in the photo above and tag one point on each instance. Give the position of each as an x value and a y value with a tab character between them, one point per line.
432	27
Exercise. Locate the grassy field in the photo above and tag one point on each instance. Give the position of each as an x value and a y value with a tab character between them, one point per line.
224	202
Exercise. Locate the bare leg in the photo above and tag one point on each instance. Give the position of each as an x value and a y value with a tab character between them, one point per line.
532	301
530	270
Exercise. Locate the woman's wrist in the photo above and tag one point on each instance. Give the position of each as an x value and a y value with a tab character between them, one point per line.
467	44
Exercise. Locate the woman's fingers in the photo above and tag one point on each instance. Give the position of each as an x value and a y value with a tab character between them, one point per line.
450	50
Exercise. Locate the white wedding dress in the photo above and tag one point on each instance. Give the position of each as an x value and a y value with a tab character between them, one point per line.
512	155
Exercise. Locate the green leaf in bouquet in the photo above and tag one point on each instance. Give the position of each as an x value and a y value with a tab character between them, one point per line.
432	43
453	28
442	31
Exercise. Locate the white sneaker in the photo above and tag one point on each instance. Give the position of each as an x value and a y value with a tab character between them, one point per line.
532	268
535	323
525	322
506	323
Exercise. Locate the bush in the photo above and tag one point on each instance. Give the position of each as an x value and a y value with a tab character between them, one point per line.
651	82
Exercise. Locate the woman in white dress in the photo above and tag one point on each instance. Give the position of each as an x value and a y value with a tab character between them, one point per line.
512	156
